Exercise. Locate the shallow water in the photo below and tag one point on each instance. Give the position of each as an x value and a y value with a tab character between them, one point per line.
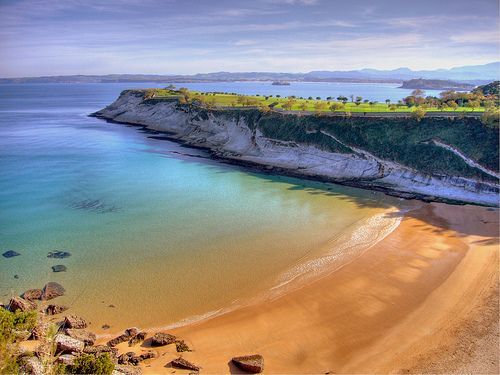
155	229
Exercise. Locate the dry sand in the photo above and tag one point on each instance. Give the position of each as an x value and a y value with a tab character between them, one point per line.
423	300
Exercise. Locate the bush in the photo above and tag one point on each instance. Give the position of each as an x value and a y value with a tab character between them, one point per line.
90	364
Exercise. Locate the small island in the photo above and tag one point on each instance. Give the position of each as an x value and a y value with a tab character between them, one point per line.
435	84
281	83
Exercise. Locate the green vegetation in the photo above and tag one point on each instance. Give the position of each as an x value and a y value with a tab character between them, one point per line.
449	101
14	327
90	364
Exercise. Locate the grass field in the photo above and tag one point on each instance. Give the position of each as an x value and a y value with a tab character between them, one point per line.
231	100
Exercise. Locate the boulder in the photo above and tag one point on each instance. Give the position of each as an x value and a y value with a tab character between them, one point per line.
132	331
181	346
58	254
40	330
250	363
127	335
132	359
74	321
66	359
32	294
52	290
100	349
80	334
33	366
10	254
66	344
183	364
59	268
162	338
18	303
137	338
126	370
55	309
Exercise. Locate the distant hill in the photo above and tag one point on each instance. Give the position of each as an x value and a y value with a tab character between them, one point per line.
489	89
474	74
436	84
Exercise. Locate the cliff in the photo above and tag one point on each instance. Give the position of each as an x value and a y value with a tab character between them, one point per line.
450	159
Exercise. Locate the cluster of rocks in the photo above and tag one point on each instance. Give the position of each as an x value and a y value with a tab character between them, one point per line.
73	339
51	254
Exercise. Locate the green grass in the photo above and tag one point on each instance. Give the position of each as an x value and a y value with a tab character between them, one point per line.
230	100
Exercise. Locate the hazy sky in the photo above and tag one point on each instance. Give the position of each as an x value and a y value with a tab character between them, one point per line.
49	37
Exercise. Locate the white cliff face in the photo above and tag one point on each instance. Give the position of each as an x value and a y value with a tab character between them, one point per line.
231	138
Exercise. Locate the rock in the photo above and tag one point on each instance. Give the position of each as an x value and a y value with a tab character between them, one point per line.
66	359
55	309
66	344
58	254
33	366
162	338
181	346
52	290
32	294
40	330
250	363
127	335
99	349
80	334
137	338
18	303
105	326
126	370
16	276
183	364
74	321
131	358
59	268
10	254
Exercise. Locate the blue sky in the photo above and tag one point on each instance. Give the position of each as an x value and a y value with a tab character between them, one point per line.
49	37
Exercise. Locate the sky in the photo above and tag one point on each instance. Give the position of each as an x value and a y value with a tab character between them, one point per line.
51	37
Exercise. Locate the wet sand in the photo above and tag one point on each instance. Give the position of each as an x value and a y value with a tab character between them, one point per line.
424	299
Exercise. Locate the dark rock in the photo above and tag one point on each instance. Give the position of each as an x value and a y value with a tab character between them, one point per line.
132	359
250	363
74	321
10	254
181	346
18	303
80	334
183	364
32	294
16	276
105	326
162	338
99	349
127	335
58	254
66	344
59	268
52	290
137	338
55	309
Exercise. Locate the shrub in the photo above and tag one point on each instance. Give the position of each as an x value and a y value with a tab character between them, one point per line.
90	364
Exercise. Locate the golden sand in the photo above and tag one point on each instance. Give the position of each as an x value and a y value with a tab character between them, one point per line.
424	299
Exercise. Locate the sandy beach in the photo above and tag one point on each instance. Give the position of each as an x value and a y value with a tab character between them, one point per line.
423	300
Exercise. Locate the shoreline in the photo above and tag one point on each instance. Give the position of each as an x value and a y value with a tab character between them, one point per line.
360	319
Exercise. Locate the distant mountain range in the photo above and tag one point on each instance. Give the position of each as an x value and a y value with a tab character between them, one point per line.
474	74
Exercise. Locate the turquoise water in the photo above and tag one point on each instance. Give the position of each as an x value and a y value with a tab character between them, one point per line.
154	228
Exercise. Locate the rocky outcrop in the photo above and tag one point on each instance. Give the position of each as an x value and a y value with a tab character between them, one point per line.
66	344
80	334
55	309
162	338
74	321
126	370
126	336
10	254
131	358
52	290
233	136
137	338
184	364
18	303
32	294
250	363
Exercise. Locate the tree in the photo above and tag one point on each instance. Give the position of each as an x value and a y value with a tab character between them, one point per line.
303	106
342	99
336	106
452	104
419	113
287	106
387	101
320	107
393	107
473	104
318	98
491	118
